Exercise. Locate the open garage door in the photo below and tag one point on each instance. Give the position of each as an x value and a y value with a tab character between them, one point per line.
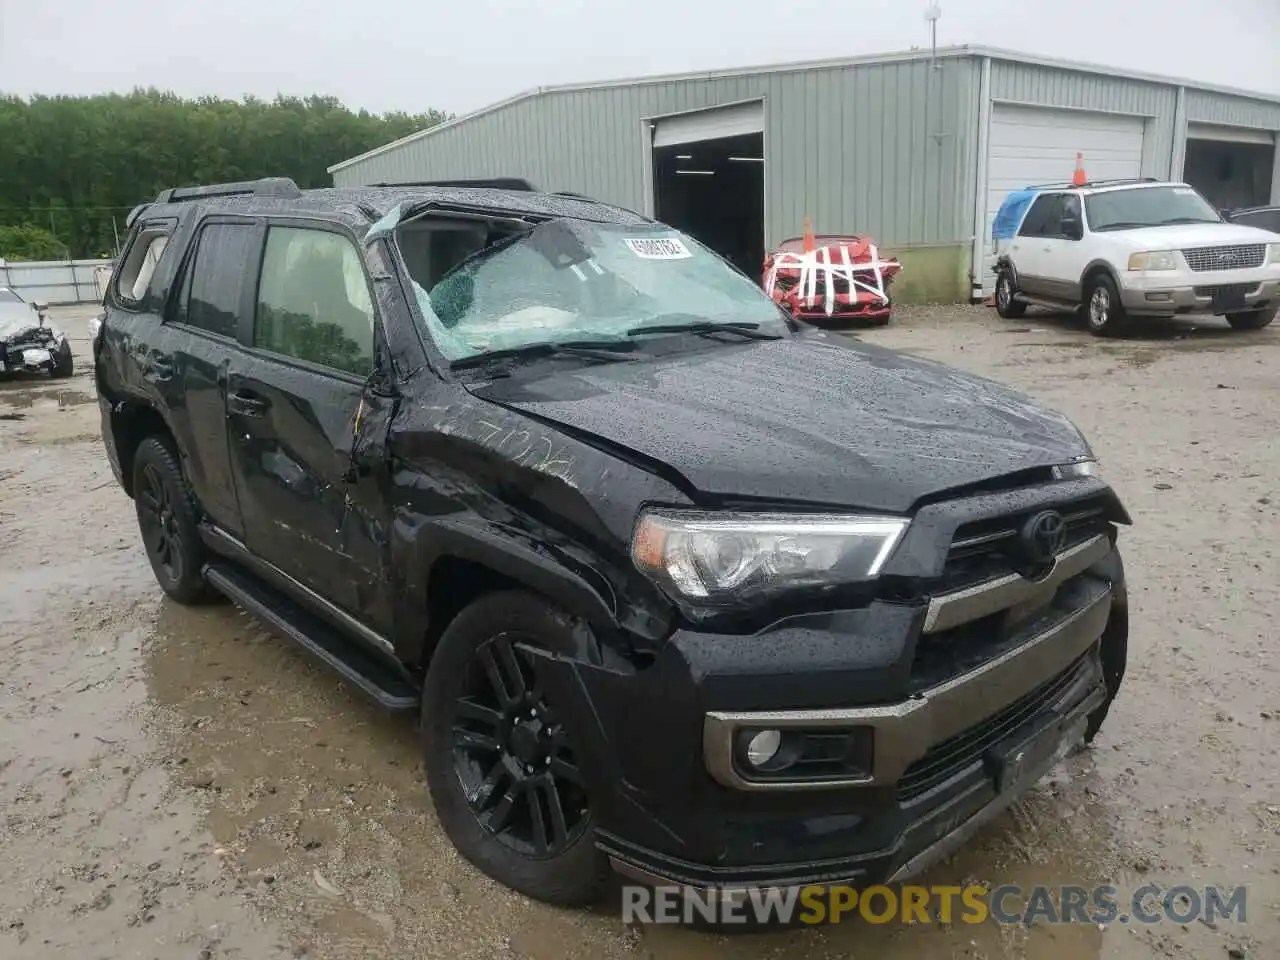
1030	145
1231	166
708	179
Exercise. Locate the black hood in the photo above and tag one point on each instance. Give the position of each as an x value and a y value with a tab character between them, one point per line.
809	419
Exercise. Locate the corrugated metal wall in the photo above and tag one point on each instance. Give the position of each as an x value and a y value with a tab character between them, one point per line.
1206	107
1055	87
883	148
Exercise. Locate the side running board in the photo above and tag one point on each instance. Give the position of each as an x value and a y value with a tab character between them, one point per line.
374	678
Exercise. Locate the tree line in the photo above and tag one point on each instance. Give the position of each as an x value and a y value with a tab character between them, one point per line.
71	168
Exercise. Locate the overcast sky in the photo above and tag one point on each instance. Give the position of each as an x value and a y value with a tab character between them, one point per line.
457	56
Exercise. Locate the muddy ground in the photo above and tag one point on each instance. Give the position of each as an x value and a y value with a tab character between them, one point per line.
175	783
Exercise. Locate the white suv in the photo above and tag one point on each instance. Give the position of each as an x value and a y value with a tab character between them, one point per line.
1126	248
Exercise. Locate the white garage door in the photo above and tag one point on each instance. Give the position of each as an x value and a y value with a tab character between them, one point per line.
1030	145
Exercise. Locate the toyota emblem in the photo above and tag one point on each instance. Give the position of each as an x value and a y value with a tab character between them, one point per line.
1042	537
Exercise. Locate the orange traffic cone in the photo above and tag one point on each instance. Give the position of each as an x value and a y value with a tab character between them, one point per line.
1079	178
810	242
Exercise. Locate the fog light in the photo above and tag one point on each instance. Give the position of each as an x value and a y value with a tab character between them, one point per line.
763	747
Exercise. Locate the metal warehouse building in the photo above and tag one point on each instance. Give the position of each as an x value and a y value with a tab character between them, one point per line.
915	149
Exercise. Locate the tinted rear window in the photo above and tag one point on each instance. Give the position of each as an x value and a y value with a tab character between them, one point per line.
218	277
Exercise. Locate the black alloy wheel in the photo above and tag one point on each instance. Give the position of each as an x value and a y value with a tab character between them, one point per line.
159	527
511	757
167	520
508	775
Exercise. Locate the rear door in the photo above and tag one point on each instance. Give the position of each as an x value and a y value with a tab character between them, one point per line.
1032	247
295	401
183	361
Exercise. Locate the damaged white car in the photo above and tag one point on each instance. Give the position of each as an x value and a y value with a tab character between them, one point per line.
28	341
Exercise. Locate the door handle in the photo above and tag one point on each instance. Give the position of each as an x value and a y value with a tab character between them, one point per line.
247	404
159	369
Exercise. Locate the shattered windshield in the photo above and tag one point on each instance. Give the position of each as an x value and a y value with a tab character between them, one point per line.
1147	207
577	281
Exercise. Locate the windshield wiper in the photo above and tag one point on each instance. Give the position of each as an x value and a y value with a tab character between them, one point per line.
1166	223
1123	225
607	350
751	331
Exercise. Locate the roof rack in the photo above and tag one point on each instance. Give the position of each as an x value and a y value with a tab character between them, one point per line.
1068	185
280	187
494	183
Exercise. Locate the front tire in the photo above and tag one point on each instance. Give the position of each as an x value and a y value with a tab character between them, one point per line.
63	363
1103	310
1253	320
1006	305
500	761
167	520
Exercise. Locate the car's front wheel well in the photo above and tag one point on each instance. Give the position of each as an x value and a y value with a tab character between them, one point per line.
455	584
1091	274
130	425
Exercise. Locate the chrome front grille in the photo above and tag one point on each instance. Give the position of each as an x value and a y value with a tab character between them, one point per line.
982	606
1244	256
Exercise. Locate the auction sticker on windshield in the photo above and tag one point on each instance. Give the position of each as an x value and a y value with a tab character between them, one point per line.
658	248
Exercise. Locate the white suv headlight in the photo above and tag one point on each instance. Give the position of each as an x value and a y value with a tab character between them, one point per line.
1154	260
724	558
1273	253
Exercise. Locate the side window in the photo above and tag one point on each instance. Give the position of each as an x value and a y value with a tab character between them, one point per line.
1044	219
313	300
217	277
133	279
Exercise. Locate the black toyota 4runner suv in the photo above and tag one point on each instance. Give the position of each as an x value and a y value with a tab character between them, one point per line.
676	588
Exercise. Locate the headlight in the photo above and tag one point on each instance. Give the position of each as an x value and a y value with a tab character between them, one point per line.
1079	468
1273	253
724	558
1154	260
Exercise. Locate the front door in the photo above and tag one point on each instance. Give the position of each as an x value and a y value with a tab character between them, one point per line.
295	401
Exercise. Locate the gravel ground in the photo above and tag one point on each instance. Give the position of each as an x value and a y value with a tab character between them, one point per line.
175	783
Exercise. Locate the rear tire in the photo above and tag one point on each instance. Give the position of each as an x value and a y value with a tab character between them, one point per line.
1253	320
1103	311
500	763
1006	305
167	519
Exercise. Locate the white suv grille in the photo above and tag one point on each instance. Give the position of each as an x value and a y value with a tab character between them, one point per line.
1245	256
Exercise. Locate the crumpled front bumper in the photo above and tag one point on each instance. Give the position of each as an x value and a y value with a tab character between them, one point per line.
911	837
671	806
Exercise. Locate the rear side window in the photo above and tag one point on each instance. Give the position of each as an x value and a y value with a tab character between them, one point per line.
136	272
217	277
313	300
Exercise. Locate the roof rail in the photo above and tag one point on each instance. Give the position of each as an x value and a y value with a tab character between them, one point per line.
493	183
1068	185
280	187
134	214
